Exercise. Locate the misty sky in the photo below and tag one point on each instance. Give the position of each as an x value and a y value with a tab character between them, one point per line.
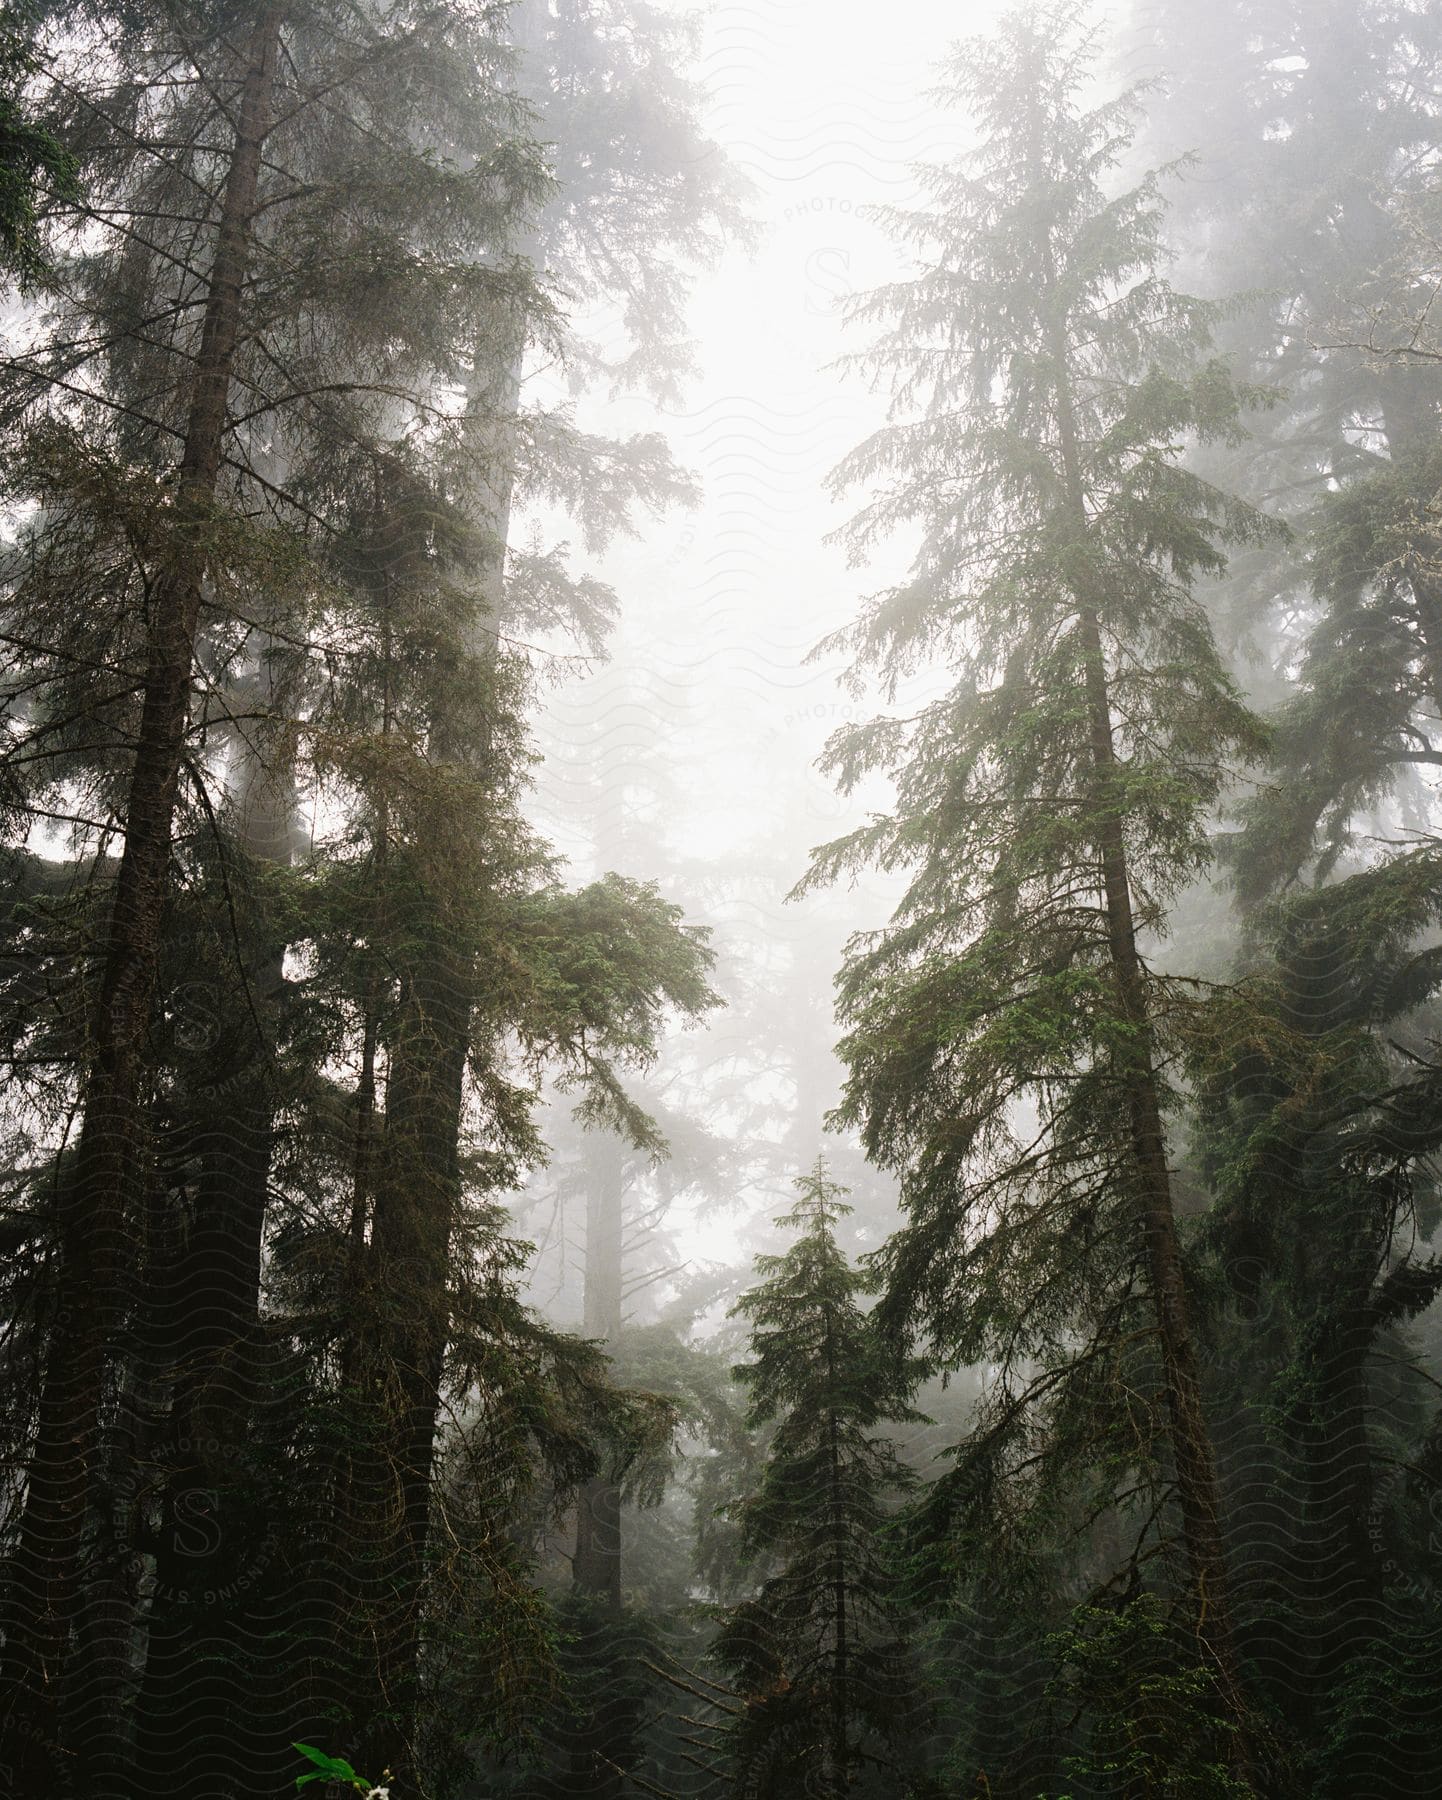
824	107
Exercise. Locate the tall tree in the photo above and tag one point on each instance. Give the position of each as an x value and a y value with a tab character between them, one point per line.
185	422
1313	130
597	481
1316	165
101	1206
1317	1093
817	1654
32	158
1010	1044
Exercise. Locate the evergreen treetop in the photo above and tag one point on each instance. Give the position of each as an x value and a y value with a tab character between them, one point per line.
816	1653
813	1356
1056	376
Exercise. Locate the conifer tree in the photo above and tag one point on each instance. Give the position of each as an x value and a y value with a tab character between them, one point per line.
299	285
817	1655
32	158
1316	1102
526	452
1010	1043
1314	132
104	1194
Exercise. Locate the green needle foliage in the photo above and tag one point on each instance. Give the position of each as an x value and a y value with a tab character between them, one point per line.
1353	739
1317	1093
309	297
32	158
817	1654
261	451
1315	194
1009	1044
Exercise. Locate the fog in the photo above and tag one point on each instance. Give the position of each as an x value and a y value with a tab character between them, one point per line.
721	903
712	695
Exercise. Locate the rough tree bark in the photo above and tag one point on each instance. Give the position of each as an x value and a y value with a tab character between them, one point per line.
69	1617
1198	1493
602	1744
838	1757
597	1563
200	1721
411	1164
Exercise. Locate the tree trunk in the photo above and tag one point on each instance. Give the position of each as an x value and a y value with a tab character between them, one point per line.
413	1171
406	1325
597	1565
202	1714
408	1179
54	1592
839	1753
1340	1477
1198	1495
1191	1444
603	1742
407	1174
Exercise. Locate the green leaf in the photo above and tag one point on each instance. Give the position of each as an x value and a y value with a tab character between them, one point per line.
335	1768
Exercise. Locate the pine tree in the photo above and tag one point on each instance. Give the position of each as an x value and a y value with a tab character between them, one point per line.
521	450
817	1654
1314	133
1313	130
1009	1042
1317	1087
326	459
104	1194
32	158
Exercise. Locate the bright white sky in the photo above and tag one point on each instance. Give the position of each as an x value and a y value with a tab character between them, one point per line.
822	104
